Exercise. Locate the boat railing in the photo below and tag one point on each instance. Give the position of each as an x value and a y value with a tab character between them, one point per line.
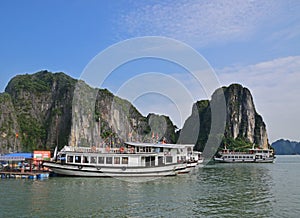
83	149
93	149
235	152
113	150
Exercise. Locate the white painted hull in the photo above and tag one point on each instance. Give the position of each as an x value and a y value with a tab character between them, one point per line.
185	170
192	164
94	171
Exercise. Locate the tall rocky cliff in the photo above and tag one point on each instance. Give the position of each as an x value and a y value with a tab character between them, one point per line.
100	118
9	127
243	125
42	110
42	106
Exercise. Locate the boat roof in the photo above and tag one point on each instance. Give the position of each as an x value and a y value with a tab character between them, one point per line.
158	145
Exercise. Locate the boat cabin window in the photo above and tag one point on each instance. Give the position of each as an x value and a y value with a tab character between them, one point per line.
93	160
100	160
116	160
140	149
150	161
108	160
85	159
169	159
161	161
178	151
124	160
77	159
70	159
158	150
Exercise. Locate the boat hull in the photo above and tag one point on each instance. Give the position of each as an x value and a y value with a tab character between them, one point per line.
105	171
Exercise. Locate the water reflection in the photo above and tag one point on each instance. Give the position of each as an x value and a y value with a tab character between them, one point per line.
235	190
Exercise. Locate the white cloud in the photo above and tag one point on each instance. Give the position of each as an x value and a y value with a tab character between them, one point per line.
198	22
275	88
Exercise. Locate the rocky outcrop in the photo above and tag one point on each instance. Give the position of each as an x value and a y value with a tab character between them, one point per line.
243	127
9	127
42	104
101	118
48	109
242	119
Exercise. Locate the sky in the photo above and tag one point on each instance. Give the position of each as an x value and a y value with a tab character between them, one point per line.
254	43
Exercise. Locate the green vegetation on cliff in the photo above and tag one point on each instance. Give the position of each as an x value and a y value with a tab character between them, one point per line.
42	104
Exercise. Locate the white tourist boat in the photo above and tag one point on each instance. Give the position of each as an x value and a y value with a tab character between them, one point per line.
254	155
130	160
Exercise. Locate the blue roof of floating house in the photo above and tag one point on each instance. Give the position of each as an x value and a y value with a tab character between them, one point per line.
16	157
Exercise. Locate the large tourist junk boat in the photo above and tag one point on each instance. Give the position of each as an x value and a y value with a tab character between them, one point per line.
132	159
254	155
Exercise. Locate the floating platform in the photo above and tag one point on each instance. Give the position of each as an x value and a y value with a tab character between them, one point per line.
24	175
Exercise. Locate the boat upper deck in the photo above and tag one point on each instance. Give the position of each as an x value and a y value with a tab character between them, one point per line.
131	148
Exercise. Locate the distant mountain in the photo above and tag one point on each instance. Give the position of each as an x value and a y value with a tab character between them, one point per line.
286	147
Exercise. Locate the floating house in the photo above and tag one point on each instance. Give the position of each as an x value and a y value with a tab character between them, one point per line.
20	165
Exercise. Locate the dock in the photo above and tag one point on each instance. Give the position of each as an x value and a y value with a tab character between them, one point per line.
24	175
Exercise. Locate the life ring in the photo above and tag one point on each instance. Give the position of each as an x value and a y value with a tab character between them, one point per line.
122	149
123	168
98	168
80	167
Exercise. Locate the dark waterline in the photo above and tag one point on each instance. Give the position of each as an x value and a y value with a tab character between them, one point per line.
220	190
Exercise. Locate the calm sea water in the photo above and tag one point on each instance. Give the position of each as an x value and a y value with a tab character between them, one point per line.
220	190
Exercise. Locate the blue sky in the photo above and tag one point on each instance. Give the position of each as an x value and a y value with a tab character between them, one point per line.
255	43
